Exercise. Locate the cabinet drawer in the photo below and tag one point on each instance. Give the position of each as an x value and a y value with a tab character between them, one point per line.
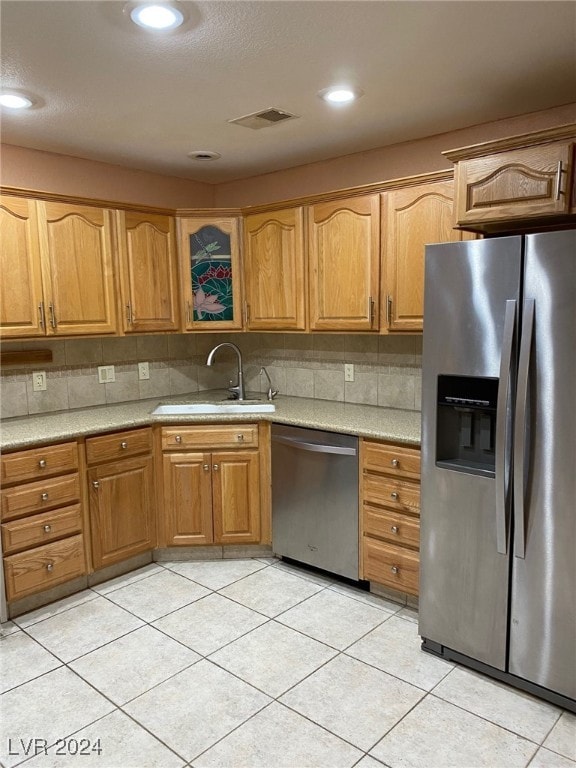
44	567
396	528
37	497
395	567
118	446
41	529
39	462
389	492
211	437
392	460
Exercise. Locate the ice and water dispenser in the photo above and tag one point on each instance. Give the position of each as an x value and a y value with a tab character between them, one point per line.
466	424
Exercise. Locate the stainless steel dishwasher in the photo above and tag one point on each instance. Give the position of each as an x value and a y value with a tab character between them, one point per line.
315	498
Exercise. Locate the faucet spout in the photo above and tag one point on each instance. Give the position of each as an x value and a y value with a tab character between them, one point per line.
271	394
238	389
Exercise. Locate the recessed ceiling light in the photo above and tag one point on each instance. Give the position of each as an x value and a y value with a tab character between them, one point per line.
15	101
156	16
203	154
340	94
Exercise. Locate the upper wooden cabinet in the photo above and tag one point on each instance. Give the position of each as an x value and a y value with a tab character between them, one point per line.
344	255
148	274
76	255
275	284
21	298
521	179
210	273
412	217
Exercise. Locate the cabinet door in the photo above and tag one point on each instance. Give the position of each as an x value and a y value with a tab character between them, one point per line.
188	499
411	218
274	270
76	249
236	497
147	248
344	247
21	307
210	264
121	510
519	184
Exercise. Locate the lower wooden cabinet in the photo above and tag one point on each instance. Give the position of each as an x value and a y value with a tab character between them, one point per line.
390	515
121	496
211	497
41	568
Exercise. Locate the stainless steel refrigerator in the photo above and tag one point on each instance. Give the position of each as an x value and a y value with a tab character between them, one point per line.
498	512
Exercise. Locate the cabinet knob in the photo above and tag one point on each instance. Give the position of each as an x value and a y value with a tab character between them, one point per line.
395	569
49	567
216	467
44	496
240	438
206	467
42	463
394	528
124	444
395	463
95	484
47	528
178	438
395	495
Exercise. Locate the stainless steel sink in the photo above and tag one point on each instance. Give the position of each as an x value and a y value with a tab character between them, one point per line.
245	406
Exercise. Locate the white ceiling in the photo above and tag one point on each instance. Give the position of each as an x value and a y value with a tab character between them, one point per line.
113	92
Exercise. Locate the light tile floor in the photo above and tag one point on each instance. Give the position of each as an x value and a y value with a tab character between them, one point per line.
249	663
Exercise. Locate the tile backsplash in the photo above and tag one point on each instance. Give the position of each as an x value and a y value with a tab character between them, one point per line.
387	370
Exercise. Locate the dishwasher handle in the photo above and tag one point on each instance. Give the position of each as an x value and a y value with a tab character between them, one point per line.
314	447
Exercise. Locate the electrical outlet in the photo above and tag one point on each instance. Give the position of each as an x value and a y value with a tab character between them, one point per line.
39	381
106	374
348	372
143	371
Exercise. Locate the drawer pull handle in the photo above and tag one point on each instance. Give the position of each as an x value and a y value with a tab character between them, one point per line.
95	484
395	495
49	567
178	438
206	467
124	444
395	569
44	496
240	438
394	528
42	463
47	528
216	467
395	463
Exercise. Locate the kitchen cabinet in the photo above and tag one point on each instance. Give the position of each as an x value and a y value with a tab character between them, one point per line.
210	273
121	495
344	258
77	272
412	217
211	485
390	515
148	272
21	296
42	522
274	269
526	179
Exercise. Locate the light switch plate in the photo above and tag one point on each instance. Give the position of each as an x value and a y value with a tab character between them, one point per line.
39	381
106	374
143	371
348	372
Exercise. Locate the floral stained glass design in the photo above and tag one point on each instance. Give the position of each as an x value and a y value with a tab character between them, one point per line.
211	272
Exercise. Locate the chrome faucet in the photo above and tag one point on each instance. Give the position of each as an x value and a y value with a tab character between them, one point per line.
237	390
271	394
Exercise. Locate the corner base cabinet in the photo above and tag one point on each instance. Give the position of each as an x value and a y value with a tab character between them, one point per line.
390	515
211	485
121	495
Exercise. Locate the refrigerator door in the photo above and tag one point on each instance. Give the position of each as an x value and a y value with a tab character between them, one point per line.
470	290
543	608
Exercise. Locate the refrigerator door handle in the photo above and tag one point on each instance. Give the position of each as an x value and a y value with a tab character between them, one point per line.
502	442
520	428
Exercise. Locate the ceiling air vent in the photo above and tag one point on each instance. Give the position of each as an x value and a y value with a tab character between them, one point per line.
263	119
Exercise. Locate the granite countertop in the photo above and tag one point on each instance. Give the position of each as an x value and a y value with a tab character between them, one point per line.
362	420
